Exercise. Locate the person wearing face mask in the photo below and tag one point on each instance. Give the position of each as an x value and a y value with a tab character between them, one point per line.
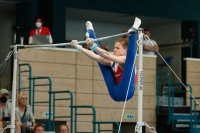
39	30
5	111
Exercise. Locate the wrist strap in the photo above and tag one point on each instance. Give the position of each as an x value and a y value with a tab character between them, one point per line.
94	47
79	48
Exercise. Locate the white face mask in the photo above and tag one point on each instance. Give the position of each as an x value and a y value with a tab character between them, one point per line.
38	24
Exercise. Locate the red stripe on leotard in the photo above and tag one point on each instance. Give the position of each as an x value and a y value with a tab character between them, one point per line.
118	74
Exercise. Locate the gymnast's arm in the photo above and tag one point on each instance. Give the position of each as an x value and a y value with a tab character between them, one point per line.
92	55
105	54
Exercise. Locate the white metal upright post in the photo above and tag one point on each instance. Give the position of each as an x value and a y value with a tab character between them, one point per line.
15	59
140	81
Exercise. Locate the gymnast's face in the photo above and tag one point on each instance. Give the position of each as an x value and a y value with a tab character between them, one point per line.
119	49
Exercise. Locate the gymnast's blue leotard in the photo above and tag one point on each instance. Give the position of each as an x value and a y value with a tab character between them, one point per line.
118	91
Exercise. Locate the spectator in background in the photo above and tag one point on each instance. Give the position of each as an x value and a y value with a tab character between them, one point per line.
39	30
63	129
147	47
39	128
5	111
24	114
